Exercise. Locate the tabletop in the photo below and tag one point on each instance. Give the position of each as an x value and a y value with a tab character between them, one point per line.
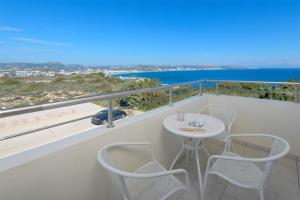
212	125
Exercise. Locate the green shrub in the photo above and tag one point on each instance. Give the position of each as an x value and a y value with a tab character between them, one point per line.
10	81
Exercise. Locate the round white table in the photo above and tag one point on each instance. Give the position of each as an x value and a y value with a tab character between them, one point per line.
192	140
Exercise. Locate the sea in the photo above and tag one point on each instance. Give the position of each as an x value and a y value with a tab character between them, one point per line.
257	74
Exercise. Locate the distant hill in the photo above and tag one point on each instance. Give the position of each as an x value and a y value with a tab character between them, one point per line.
57	66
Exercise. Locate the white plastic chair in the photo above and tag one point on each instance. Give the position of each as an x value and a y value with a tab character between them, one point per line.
227	115
150	181
243	171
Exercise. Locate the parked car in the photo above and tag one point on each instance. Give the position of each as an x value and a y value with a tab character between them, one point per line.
102	116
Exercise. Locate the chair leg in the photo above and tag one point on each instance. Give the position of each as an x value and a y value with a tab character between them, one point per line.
270	189
261	193
227	147
204	187
198	169
177	156
233	148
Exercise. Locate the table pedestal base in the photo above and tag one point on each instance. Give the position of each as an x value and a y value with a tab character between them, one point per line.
192	145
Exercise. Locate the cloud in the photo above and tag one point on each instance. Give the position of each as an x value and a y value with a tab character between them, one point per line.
9	29
35	50
43	42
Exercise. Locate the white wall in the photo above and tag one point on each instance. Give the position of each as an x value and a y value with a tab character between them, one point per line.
265	116
73	173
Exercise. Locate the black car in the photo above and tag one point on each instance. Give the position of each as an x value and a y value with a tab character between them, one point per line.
102	116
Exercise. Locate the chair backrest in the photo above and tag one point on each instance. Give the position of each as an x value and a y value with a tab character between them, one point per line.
223	112
279	149
105	158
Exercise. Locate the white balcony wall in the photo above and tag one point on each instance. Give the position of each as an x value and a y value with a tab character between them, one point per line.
72	172
265	116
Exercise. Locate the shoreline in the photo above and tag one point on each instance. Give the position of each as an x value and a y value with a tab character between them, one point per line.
181	70
174	76
121	72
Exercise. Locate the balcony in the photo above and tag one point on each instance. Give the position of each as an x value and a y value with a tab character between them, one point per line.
64	166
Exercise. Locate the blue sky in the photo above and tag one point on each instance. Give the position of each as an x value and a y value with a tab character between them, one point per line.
214	32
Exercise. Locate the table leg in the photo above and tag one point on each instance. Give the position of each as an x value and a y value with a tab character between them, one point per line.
187	157
177	156
205	150
198	167
202	146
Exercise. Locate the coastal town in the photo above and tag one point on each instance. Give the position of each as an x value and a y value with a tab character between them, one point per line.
54	68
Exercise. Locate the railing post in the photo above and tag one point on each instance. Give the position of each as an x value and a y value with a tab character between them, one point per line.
217	88
200	89
296	94
110	123
171	97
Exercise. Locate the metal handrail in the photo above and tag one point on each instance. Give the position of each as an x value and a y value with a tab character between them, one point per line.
110	97
48	106
254	82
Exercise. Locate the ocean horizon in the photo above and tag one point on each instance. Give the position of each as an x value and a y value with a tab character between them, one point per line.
253	74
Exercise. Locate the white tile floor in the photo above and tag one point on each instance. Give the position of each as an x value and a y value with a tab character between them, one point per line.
282	183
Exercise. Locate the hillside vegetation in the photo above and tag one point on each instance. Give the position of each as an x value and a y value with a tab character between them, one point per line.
262	91
16	92
33	90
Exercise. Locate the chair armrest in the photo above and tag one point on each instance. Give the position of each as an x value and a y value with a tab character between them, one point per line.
129	144
252	135
149	145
